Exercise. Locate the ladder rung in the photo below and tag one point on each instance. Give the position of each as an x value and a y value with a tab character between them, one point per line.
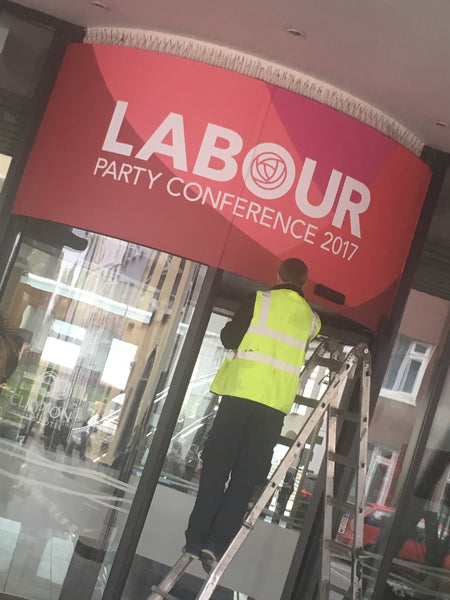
341	548
304	401
346	415
343	460
339	590
346	506
162	593
331	363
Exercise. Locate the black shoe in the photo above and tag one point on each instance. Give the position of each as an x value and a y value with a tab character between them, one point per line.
209	560
192	550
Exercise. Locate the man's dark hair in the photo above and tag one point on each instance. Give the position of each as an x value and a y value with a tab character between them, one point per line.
293	270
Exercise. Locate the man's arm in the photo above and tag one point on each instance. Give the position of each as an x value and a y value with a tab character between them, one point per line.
233	332
317	328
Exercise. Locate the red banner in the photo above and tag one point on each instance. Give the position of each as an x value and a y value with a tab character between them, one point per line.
225	170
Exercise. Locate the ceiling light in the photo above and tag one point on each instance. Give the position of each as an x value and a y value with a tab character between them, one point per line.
442	124
296	32
99	4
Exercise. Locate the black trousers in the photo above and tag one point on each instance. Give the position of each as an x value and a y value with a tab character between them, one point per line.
239	450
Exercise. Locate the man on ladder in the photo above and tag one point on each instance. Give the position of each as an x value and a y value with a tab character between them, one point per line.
268	337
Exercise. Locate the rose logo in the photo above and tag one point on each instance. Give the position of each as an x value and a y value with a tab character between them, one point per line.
269	171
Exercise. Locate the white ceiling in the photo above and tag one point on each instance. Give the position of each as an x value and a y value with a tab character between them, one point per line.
393	54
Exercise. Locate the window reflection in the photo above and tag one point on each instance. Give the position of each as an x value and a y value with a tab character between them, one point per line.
183	462
406	369
421	565
98	326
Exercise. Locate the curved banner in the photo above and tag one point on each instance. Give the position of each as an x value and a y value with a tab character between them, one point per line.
225	170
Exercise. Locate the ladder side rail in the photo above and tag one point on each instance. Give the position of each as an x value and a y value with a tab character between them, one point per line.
325	556
308	569
330	448
344	475
329	492
305	572
307	453
305	375
171	578
291	456
363	450
334	349
294	451
358	541
310	365
330	395
348	433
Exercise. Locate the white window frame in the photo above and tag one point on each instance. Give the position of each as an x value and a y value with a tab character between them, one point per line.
411	354
377	459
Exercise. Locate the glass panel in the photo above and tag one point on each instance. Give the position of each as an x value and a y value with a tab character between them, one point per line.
261	566
421	348
420	568
422	564
410	376
426	538
397	358
181	468
98	324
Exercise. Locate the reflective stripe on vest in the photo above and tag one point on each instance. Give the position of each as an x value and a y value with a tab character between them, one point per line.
260	328
268	360
266	366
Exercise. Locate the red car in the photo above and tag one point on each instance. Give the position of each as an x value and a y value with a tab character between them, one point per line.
375	517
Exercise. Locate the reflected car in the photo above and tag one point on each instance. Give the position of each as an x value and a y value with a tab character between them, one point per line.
375	517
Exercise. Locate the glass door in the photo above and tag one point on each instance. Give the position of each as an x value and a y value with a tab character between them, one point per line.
93	328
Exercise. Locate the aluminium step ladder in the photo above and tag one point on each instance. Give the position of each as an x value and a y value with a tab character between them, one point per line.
356	363
338	412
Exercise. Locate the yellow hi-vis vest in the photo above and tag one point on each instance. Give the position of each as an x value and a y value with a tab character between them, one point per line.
266	366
